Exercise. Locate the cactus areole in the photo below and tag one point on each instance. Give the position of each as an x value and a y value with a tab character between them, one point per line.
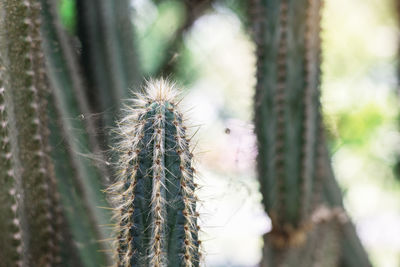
155	203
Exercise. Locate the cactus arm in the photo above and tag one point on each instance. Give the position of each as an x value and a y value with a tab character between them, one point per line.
287	106
292	164
264	101
78	227
107	57
154	196
24	88
78	134
60	55
289	132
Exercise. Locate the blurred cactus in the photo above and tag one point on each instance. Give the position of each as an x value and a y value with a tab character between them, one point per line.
290	137
154	195
107	54
35	179
28	172
73	137
287	110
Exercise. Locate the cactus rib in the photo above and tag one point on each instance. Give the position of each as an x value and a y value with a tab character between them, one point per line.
312	114
10	243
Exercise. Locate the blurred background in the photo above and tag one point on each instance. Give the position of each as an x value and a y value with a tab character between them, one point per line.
213	60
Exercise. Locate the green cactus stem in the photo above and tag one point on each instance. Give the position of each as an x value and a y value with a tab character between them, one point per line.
108	56
24	91
287	114
80	180
155	193
293	165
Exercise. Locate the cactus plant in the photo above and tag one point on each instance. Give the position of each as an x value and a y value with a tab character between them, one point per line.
287	113
108	56
291	161
31	174
154	195
80	181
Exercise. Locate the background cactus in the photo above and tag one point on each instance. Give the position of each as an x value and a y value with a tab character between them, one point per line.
24	91
291	159
154	195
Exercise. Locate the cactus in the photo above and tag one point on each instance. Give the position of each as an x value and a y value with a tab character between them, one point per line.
292	162
80	180
154	195
287	115
30	174
108	58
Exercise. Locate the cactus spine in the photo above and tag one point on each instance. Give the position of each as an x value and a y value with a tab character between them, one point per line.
154	195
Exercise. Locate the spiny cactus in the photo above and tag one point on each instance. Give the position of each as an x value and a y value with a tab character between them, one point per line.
287	115
80	181
155	193
292	159
24	90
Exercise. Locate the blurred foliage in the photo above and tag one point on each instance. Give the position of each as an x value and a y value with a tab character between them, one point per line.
355	127
156	26
67	9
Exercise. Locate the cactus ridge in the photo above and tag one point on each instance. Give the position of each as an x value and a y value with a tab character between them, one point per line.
279	103
155	202
40	78
39	90
10	244
312	113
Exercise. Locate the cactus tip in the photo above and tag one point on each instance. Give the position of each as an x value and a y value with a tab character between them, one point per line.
160	90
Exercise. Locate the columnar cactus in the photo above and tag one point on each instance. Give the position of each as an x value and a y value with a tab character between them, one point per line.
80	181
108	57
155	193
292	161
29	170
287	115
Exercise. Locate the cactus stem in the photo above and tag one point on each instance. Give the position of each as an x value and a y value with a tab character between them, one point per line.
154	196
